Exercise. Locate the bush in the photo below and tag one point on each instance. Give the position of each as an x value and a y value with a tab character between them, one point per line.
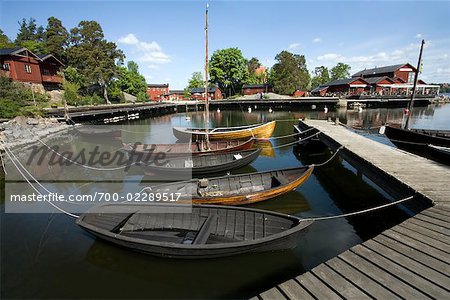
32	111
71	95
142	97
9	108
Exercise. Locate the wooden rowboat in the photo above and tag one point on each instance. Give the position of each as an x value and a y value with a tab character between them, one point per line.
236	189
226	133
201	165
428	143
203	231
141	151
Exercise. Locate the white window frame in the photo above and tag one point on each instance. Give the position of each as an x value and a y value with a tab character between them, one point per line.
28	69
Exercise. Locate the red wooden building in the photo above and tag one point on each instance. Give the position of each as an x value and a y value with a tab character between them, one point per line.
351	86
50	67
403	71
175	95
20	64
214	93
252	89
157	91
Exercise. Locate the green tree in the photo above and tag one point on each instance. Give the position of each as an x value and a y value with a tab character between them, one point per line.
289	73
5	42
56	39
321	76
196	81
30	36
228	69
340	71
131	81
93	56
252	65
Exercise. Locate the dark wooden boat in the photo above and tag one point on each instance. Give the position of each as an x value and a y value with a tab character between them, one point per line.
236	189
205	231
141	152
226	133
420	141
97	131
201	165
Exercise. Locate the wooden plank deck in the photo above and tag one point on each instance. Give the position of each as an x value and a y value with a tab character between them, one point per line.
410	260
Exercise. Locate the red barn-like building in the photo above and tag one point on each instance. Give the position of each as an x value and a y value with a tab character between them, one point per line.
214	93
403	71
157	91
252	89
20	64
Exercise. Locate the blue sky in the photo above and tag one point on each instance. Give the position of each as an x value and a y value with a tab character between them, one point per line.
166	38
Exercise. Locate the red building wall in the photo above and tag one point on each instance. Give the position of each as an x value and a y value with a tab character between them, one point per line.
157	92
18	72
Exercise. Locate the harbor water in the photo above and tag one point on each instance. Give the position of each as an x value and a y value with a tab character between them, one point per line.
47	256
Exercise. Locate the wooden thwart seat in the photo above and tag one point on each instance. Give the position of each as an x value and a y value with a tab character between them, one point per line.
205	230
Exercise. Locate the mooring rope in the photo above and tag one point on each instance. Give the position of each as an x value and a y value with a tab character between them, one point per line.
3	162
330	159
358	212
34	188
28	172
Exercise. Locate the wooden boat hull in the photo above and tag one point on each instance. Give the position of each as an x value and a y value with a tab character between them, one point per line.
235	230
232	133
143	151
246	192
419	141
202	165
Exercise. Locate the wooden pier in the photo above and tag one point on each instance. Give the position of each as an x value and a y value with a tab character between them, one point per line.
410	260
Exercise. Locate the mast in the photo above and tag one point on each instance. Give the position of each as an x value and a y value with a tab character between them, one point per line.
416	77
206	79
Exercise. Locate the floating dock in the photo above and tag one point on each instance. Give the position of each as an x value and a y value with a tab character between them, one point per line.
410	260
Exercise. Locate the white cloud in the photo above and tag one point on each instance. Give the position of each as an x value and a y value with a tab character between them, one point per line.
294	46
419	35
153	67
129	39
149	52
317	40
330	57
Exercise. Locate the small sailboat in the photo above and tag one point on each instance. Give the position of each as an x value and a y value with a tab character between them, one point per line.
430	143
227	133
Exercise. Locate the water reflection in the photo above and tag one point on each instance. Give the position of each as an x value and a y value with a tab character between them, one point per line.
54	258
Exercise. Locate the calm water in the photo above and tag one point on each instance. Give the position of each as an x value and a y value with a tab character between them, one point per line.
48	256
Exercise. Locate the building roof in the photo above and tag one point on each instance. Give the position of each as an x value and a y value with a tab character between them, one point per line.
343	81
158	85
380	70
44	57
202	90
373	80
255	86
178	92
9	51
319	88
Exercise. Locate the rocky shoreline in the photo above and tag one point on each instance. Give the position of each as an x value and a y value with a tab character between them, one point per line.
21	131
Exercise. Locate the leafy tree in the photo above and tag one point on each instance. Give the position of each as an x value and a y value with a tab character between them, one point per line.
340	71
252	65
321	76
56	39
5	42
129	80
93	56
71	74
289	73
196	81
71	95
228	69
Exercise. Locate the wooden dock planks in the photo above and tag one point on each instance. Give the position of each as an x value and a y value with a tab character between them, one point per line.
410	260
